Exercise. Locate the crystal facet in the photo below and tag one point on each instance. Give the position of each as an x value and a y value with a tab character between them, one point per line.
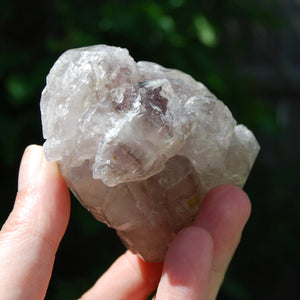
138	144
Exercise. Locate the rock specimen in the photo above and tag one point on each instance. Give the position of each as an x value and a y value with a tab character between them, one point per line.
139	145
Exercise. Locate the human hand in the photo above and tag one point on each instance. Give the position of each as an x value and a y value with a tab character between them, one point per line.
194	267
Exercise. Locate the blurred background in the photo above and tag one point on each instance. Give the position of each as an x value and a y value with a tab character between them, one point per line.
247	53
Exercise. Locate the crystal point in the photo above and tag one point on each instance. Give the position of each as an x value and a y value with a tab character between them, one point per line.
139	145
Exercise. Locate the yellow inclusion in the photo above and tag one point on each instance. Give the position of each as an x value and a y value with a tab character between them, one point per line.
193	201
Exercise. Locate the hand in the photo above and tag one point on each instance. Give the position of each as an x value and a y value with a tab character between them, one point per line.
194	267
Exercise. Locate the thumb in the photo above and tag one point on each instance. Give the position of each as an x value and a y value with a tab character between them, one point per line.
32	232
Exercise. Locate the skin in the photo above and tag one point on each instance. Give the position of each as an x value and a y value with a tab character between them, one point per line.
194	266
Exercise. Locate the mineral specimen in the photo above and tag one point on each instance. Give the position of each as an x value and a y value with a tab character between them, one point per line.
139	145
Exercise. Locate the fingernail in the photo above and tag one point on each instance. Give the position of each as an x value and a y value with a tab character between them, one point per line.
30	166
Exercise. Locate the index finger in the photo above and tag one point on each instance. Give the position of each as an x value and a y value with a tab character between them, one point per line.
223	214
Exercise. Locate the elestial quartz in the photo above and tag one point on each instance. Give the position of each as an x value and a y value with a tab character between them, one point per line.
139	145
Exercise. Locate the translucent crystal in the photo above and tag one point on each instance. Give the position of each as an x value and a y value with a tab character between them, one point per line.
138	144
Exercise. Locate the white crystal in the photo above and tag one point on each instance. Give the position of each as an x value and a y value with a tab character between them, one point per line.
138	144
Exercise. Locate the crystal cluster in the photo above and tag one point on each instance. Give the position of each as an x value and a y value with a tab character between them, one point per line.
138	144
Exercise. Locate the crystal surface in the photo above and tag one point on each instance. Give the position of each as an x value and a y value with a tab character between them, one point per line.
139	145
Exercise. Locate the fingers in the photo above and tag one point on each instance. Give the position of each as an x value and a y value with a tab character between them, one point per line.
223	214
197	259
185	273
128	278
31	235
195	264
187	266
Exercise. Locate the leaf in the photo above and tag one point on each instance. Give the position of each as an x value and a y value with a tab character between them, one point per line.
205	31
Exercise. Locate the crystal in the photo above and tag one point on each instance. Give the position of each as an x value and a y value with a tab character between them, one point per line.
138	144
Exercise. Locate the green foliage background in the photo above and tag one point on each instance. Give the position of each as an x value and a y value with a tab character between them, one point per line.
211	40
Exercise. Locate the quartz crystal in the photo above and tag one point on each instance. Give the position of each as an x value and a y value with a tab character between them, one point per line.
139	145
